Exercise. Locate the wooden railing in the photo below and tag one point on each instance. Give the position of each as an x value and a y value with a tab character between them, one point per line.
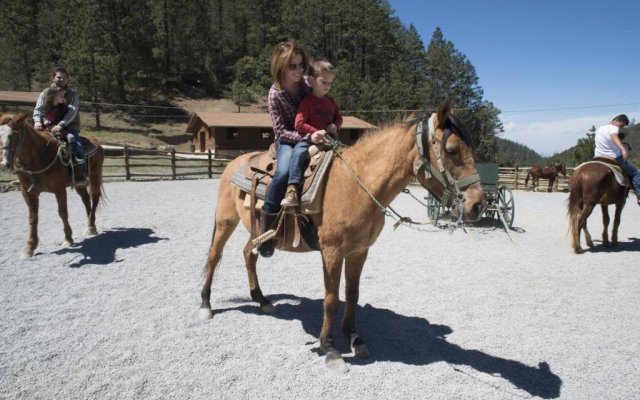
137	164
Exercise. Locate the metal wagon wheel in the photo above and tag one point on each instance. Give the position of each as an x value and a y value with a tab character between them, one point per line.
506	205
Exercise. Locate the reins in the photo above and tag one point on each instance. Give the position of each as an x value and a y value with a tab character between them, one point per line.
445	180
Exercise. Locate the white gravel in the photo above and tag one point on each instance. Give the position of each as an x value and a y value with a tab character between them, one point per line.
464	316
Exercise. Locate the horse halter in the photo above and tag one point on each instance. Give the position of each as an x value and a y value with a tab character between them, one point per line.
453	188
8	152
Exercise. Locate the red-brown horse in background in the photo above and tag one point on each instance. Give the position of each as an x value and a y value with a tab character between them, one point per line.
591	184
36	158
550	172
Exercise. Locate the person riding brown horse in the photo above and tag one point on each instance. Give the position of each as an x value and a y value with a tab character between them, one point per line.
550	172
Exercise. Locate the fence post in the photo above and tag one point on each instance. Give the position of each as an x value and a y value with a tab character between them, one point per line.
515	178
173	163
209	163
127	173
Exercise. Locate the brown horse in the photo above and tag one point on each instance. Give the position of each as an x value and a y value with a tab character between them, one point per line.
36	158
590	184
381	163
550	172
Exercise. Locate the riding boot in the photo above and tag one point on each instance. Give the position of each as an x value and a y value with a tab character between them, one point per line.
266	221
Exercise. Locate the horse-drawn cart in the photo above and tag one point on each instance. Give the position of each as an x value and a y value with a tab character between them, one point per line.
500	203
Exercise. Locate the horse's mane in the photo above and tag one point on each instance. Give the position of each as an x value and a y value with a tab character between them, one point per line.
386	135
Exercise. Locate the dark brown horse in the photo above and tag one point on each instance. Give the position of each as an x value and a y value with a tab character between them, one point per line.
591	184
369	174
37	160
550	172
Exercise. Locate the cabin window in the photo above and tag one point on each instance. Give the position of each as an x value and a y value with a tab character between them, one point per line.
232	133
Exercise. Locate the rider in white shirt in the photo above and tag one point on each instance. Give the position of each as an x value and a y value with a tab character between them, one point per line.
609	145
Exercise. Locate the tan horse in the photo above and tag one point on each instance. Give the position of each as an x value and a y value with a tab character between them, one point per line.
592	184
550	172
37	161
385	162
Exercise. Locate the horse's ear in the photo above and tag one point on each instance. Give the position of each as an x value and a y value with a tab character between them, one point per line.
19	119
444	110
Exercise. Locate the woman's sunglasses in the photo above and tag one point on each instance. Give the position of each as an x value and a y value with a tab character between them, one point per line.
293	67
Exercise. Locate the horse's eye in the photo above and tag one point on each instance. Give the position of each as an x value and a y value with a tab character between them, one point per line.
453	146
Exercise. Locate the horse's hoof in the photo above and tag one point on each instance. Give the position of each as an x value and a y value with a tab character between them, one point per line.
26	254
268	308
578	250
334	361
66	243
358	347
90	231
205	313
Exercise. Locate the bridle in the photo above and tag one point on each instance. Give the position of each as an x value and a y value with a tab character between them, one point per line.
452	188
8	151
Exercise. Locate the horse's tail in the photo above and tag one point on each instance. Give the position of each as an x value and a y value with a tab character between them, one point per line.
575	204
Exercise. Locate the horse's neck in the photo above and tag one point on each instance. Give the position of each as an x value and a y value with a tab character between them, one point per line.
37	150
384	163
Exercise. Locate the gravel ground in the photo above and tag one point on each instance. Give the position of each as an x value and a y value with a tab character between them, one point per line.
446	315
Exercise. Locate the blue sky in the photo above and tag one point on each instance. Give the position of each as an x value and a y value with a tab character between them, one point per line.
554	68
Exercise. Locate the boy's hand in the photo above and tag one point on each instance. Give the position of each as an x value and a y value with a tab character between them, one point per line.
332	129
319	136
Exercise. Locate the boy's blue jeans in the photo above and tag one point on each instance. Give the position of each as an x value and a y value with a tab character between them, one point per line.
289	170
633	173
73	137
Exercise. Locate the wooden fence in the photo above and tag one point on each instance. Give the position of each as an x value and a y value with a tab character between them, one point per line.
132	164
139	164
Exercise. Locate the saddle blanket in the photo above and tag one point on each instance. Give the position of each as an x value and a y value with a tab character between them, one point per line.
621	178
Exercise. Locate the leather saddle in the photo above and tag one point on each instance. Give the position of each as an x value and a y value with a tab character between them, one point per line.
253	178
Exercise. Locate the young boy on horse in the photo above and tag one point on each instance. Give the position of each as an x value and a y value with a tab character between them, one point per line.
609	145
319	114
70	120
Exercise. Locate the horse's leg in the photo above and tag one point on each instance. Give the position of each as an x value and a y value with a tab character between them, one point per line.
33	202
332	267
605	223
534	183
221	233
584	215
61	197
86	200
353	269
551	181
616	222
250	260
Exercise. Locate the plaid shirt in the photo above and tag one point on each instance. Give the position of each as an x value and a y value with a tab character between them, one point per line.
283	108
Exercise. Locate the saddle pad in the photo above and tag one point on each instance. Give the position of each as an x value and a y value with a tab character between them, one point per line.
621	178
240	180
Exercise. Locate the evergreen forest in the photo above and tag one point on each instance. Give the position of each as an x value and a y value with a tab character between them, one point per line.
146	52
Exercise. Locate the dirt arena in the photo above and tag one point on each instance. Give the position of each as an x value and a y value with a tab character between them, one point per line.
459	315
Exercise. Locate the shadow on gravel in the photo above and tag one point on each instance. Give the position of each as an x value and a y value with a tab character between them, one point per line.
631	244
101	249
411	340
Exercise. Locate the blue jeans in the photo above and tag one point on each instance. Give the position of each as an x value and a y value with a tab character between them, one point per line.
632	172
73	137
289	170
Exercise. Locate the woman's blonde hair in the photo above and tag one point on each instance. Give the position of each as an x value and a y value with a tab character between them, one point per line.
282	55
